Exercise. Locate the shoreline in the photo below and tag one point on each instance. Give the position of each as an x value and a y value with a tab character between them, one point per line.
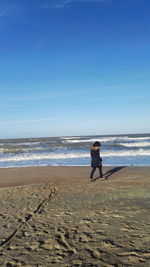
105	165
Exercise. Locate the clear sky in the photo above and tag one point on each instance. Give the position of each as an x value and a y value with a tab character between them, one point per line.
74	67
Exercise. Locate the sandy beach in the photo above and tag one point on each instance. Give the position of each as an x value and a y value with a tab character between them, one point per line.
54	216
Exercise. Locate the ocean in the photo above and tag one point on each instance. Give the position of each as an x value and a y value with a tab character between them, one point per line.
117	150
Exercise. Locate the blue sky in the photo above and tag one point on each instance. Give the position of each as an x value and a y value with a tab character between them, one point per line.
77	67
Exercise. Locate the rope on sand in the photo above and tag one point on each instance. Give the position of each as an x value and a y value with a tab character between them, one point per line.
29	217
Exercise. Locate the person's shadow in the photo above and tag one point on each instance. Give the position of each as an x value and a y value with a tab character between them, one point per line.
112	171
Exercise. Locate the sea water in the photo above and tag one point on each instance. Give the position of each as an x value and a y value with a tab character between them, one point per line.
117	150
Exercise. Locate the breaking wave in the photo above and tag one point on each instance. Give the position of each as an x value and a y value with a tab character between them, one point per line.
138	144
29	157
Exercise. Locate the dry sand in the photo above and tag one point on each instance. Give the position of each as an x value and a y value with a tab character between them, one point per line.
54	216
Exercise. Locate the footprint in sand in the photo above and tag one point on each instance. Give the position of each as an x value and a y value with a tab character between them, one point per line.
87	220
93	253
85	237
126	229
63	242
51	244
116	216
109	245
32	246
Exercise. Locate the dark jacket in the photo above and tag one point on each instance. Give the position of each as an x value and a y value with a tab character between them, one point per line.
96	160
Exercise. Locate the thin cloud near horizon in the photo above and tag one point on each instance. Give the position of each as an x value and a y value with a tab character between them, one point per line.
121	97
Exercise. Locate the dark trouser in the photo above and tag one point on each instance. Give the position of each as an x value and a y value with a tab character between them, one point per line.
94	169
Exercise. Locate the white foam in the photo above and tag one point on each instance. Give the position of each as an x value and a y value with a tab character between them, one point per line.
104	139
132	153
78	140
83	140
28	157
70	138
140	138
51	156
138	144
21	143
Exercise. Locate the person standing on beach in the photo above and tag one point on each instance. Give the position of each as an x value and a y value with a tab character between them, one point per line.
96	160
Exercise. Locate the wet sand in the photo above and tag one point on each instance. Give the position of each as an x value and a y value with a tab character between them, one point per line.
55	216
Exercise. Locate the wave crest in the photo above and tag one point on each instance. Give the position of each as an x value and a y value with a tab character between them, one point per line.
50	156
